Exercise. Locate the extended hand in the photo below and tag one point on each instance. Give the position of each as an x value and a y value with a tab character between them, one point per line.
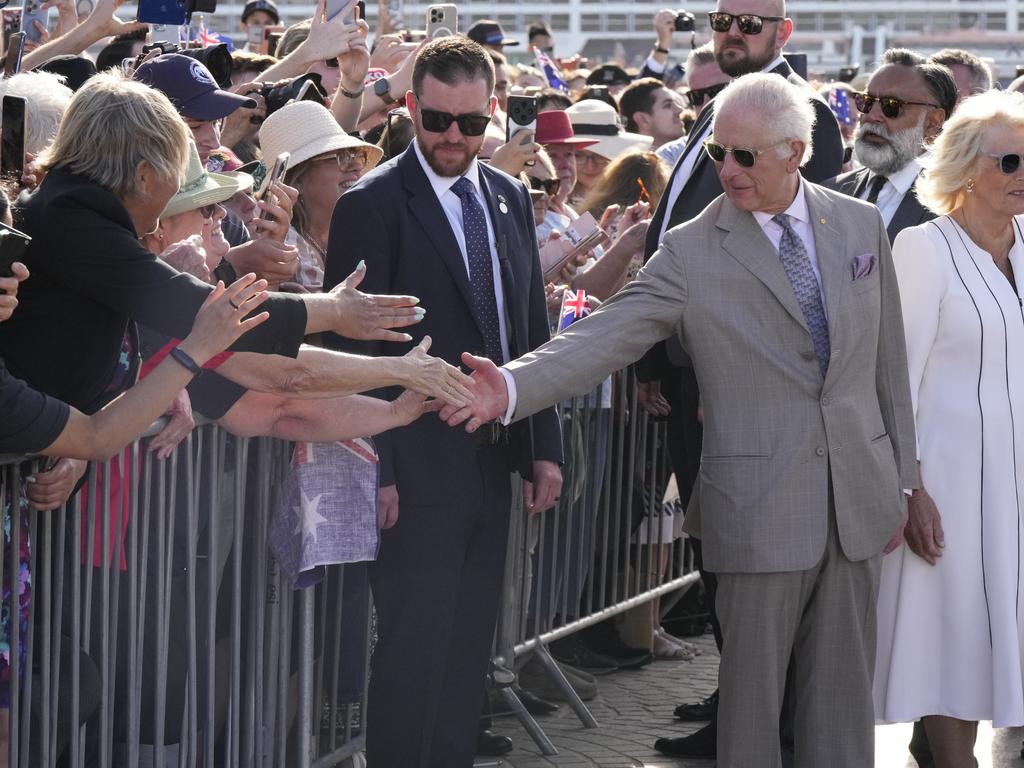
368	317
648	395
387	507
48	490
490	395
924	533
179	424
269	259
433	377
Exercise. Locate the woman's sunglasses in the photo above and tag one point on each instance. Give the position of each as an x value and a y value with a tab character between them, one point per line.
744	157
1009	163
207	211
697	96
548	186
891	106
748	23
439	122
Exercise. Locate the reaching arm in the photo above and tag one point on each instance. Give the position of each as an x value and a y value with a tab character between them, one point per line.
101	23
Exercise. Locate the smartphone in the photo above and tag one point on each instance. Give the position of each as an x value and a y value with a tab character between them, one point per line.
170	12
522	115
12	248
31	12
12	139
344	8
15	50
276	174
442	20
581	236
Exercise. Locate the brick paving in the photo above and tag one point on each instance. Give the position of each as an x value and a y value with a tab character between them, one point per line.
634	708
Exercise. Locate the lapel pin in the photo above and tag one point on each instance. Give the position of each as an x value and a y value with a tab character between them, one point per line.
824	220
502	205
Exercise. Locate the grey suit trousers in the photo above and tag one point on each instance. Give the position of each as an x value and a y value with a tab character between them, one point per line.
823	619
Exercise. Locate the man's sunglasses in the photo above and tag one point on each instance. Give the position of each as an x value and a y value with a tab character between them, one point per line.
745	157
891	106
548	186
697	96
748	23
1008	164
439	122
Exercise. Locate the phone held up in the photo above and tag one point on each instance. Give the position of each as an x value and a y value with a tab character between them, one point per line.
442	21
276	174
12	140
15	50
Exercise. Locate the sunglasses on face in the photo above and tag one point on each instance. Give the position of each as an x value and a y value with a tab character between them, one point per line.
439	122
207	211
747	23
891	106
697	96
582	158
743	156
548	186
1009	163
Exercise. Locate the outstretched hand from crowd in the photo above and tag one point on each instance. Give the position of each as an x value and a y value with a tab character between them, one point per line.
369	317
490	395
433	377
266	258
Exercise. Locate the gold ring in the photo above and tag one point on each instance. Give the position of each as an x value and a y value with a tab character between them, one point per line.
233	304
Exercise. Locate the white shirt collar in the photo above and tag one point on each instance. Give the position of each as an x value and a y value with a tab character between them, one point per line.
442	184
904	178
797	209
780	59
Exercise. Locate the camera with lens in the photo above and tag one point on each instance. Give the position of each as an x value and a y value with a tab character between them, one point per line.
276	96
685	21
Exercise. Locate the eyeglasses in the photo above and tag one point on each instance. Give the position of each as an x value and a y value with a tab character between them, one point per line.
891	106
697	96
748	23
439	122
207	211
548	186
743	156
1009	163
343	157
582	158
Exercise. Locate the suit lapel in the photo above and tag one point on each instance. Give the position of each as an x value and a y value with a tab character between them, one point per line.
909	214
747	243
860	180
427	210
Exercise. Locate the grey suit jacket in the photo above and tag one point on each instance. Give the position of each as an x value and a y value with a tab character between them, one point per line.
910	212
775	434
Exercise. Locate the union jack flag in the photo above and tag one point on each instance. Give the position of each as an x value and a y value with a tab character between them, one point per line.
547	66
840	104
575	306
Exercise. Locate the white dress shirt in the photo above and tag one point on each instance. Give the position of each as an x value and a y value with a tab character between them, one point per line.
452	205
894	189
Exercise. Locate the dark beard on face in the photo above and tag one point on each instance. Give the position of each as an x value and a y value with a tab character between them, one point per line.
445	167
745	64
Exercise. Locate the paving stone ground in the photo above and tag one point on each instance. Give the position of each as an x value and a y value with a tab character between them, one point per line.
635	707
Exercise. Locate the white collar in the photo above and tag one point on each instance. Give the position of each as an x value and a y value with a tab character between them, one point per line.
780	59
797	209
442	184
905	177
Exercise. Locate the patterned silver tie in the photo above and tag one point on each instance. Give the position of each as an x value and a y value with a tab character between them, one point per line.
797	264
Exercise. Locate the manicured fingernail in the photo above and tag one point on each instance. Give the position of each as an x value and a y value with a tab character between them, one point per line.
415	301
406	337
419	312
361	264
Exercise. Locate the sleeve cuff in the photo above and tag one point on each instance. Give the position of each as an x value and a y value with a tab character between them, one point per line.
654	65
510	385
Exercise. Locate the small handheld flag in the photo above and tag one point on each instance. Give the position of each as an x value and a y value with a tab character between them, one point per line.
575	306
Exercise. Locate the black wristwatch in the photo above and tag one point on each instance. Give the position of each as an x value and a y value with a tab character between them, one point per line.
383	89
659	49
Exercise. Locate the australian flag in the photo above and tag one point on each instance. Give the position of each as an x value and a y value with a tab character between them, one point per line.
575	306
840	104
547	66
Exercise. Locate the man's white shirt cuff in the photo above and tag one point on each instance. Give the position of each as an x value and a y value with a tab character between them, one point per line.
510	385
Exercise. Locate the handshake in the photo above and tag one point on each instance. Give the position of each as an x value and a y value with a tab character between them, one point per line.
487	396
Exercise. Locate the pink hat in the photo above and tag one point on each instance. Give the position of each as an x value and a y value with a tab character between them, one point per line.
554	127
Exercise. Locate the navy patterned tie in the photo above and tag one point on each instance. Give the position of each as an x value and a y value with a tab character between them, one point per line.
797	264
481	271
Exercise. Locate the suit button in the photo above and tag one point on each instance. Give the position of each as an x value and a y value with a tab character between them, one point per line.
820	451
826	400
808	354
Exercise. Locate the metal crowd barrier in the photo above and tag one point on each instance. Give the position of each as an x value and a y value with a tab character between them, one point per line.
598	553
160	631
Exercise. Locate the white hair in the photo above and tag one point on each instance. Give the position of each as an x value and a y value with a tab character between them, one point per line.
46	99
783	109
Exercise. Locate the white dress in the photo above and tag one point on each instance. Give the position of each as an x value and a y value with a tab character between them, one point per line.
951	636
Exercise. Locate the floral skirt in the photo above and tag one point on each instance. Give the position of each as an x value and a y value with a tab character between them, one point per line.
19	603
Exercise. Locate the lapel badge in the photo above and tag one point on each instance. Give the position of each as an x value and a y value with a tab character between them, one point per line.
824	220
502	205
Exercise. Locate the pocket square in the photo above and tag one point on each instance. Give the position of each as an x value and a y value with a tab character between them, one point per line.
863	265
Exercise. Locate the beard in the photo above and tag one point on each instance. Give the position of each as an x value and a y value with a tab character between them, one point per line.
886	159
738	61
449	166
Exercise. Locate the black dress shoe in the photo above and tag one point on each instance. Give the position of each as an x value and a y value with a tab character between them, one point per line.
702	743
492	744
702	710
534	704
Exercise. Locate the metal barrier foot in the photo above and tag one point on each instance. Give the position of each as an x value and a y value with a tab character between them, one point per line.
571	697
536	732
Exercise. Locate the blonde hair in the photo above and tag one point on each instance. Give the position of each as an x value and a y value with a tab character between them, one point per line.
956	152
111	126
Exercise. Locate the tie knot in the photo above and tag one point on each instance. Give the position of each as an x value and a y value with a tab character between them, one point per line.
782	219
463	188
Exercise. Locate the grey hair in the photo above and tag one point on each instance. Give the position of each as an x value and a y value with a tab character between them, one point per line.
782	108
111	126
46	99
698	57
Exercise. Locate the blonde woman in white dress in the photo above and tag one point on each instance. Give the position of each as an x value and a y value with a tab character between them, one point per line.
949	610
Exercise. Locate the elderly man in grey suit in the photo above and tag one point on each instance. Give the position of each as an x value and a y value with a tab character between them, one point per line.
784	295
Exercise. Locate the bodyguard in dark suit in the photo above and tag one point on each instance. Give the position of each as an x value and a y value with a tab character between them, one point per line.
905	105
463	234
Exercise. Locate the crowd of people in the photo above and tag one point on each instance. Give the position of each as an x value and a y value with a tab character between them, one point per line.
816	284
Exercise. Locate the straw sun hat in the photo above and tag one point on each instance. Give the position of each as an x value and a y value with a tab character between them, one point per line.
202	188
306	130
593	119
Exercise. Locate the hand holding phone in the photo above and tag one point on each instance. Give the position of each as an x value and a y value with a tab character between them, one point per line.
12	139
15	50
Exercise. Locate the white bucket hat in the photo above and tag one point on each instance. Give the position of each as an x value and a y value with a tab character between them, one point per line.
306	130
201	188
593	119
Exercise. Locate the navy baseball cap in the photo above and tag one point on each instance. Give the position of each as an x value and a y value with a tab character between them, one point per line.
190	87
488	32
261	5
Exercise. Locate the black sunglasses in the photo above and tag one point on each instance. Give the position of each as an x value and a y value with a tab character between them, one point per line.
1009	163
439	122
549	186
745	157
748	23
891	106
697	96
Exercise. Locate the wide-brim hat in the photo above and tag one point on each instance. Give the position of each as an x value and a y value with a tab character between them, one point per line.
305	129
201	187
595	119
190	87
608	74
553	127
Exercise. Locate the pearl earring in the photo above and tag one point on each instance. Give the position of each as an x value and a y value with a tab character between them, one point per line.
970	185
